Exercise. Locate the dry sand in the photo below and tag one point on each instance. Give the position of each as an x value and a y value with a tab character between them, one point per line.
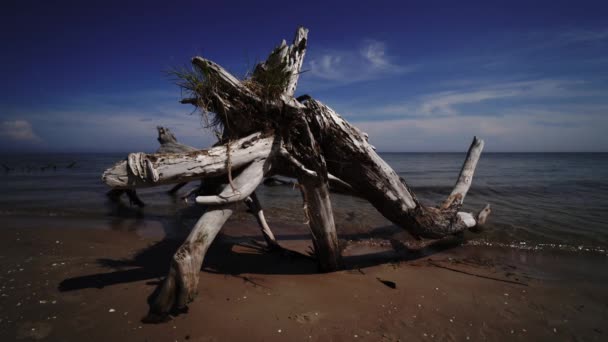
74	280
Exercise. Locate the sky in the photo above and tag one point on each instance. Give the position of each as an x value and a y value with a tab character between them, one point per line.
417	76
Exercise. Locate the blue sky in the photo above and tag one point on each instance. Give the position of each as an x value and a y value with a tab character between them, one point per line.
415	75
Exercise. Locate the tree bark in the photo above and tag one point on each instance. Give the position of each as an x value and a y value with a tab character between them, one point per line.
169	144
255	208
180	286
352	159
144	170
319	213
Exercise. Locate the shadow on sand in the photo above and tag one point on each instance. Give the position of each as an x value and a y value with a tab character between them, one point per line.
234	255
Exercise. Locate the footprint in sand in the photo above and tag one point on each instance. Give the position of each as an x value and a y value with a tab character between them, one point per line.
307	317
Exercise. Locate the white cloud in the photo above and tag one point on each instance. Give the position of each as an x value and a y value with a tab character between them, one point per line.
446	103
532	116
375	53
521	131
349	66
18	131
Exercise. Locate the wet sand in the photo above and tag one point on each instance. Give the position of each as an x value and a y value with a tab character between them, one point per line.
73	280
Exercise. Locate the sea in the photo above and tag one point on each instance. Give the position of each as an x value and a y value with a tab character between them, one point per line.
539	200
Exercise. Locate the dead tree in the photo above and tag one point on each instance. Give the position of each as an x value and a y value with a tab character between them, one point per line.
266	131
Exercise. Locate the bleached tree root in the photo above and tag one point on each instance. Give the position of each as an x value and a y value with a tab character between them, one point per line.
144	170
168	140
255	208
446	219
319	213
181	284
302	138
353	160
169	144
253	175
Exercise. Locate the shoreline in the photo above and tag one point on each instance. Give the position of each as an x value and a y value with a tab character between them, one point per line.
76	279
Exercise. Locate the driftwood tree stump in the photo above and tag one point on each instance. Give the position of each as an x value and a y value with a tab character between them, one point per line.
265	131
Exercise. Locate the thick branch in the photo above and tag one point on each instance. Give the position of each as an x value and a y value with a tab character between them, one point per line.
340	186
256	210
245	184
181	284
226	81
465	178
315	193
144	170
352	159
169	144
296	163
319	212
285	62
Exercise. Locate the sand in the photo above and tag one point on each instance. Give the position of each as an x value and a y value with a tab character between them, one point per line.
75	280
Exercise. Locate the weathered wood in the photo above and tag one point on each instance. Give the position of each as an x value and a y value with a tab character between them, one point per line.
285	60
255	208
144	170
352	159
466	175
335	184
167	139
263	124
320	216
314	184
181	284
253	174
169	144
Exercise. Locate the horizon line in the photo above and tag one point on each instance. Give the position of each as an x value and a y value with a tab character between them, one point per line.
379	152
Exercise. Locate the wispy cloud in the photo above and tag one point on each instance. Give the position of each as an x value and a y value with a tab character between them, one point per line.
18	131
516	131
521	115
369	62
375	53
447	103
110	122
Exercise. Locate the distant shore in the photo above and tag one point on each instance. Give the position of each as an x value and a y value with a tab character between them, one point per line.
63	281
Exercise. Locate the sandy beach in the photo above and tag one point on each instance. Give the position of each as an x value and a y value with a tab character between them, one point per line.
74	280
316	171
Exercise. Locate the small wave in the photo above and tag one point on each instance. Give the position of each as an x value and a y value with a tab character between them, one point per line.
528	246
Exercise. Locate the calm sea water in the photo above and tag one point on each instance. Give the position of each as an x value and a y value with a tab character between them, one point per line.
538	199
